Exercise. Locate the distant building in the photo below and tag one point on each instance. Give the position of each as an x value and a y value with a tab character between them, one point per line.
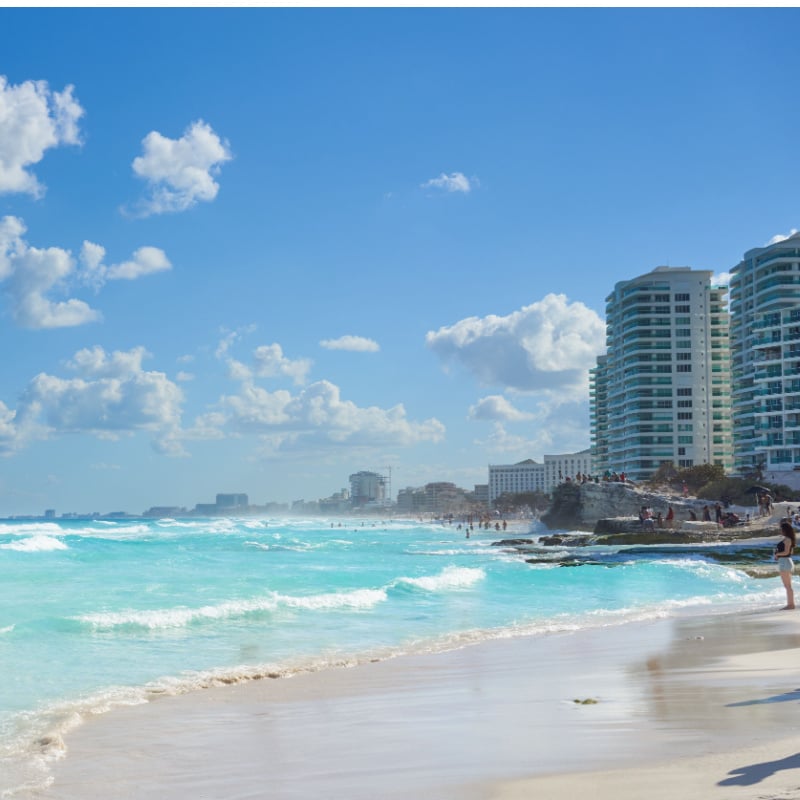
226	504
232	502
367	488
162	512
440	497
411	500
337	503
532	476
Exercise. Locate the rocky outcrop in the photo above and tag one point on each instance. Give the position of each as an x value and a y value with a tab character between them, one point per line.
579	506
612	508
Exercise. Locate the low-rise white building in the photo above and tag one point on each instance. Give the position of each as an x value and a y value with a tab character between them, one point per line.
532	476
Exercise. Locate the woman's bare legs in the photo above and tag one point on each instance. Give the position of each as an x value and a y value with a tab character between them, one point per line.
786	577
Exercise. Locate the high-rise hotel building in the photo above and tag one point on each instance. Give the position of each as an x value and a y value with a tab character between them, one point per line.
765	360
662	392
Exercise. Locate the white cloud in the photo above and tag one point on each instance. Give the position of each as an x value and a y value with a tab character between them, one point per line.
558	430
180	172
110	396
33	119
496	407
356	344
317	417
546	347
36	277
146	261
721	279
32	274
455	182
781	237
314	420
269	362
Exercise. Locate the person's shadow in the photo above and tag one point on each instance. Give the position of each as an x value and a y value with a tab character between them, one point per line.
754	773
777	698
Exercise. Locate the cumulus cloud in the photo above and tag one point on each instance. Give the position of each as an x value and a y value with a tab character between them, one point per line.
356	344
37	278
781	237
109	395
145	261
496	407
454	182
548	346
33	119
31	275
318	417
180	172
268	361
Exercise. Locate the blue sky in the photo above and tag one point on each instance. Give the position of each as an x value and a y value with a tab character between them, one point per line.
259	250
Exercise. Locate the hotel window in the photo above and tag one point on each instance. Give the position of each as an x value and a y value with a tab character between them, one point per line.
683	368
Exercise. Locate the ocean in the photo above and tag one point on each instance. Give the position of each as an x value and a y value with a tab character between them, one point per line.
95	615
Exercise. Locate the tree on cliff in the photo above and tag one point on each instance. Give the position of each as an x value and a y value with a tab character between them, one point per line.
694	477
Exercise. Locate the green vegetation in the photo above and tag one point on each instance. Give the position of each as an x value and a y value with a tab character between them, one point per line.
709	482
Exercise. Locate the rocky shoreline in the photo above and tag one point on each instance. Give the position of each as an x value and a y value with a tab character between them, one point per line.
606	514
611	509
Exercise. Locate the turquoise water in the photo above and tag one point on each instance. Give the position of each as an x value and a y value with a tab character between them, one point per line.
95	615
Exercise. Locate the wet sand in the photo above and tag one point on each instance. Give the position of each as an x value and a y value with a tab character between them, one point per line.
697	707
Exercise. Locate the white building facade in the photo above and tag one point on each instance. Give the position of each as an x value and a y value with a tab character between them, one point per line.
532	476
765	354
662	392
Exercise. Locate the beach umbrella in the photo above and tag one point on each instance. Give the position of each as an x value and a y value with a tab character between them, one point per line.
759	489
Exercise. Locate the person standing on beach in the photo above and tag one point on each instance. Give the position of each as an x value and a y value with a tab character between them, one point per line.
783	555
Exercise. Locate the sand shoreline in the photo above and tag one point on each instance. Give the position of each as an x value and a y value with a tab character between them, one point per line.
689	699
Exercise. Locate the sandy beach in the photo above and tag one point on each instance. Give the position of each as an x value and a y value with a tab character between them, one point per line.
694	707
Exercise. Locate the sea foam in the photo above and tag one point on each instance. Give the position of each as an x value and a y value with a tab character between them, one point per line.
448	578
35	544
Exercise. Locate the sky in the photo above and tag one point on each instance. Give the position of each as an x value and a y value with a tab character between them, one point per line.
258	250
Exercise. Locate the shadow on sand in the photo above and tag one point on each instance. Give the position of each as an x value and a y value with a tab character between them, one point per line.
755	773
777	698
